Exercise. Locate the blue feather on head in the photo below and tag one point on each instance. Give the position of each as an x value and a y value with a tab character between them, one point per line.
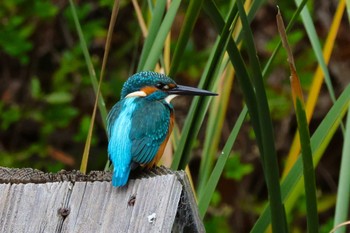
142	79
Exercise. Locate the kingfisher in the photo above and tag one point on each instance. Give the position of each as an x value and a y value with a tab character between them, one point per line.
140	124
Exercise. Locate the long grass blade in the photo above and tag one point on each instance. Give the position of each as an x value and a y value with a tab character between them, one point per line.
215	124
240	68
200	105
188	25
111	26
341	225
97	87
242	74
316	84
186	140
319	142
343	194
289	26
92	73
166	53
348	8
278	219
156	21
113	19
205	197
315	43
140	19
158	43
303	127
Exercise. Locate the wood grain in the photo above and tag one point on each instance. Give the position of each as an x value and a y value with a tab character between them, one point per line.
149	204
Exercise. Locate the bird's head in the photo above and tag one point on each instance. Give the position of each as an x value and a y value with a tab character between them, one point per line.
157	86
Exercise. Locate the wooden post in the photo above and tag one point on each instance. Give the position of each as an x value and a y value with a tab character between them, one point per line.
157	201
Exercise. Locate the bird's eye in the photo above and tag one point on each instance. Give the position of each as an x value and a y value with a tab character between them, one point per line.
160	85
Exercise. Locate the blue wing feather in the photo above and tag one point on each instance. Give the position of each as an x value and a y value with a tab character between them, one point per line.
152	125
119	145
144	151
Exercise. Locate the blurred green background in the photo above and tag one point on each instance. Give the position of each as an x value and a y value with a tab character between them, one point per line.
46	96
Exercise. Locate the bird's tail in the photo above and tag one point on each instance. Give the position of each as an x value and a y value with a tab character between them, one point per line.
120	176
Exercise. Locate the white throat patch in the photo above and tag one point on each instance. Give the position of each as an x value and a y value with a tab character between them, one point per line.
169	98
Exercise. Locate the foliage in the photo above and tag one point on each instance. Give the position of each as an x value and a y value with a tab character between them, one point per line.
46	105
236	170
52	104
19	20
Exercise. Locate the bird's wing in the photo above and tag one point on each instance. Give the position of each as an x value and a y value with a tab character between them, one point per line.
112	116
119	145
151	127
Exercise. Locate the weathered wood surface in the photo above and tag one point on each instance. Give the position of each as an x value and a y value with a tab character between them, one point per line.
160	202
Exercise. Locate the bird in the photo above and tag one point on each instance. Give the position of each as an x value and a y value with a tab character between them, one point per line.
140	123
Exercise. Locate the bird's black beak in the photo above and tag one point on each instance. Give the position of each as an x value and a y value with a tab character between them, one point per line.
186	90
